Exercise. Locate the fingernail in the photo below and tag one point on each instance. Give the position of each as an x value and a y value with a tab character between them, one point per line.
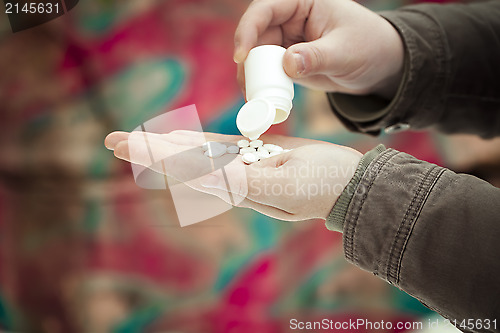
211	181
300	64
108	146
238	55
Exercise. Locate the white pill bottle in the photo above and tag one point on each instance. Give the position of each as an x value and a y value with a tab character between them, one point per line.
269	91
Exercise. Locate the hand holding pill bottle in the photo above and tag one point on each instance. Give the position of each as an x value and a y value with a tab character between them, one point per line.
334	46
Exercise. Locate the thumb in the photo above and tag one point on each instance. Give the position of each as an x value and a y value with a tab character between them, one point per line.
311	58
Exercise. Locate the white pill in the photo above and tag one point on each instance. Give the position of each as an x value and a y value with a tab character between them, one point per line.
243	143
250	158
263	154
247	150
215	149
286	150
262	149
232	150
256	143
206	144
272	148
274	153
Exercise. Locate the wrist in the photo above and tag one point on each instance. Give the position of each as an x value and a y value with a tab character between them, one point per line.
392	64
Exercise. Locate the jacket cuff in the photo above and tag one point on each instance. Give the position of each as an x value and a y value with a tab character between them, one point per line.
335	220
419	89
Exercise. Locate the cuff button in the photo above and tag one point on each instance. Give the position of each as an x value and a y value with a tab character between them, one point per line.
396	128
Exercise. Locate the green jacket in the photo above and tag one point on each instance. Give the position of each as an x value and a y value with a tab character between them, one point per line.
425	229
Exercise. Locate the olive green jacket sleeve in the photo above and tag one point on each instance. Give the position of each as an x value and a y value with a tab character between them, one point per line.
425	229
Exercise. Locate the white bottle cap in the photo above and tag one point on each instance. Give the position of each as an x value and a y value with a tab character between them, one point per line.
255	117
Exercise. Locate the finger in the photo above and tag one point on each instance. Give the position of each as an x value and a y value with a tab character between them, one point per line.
287	142
145	151
259	16
320	82
208	136
240	77
185	138
112	139
179	137
195	138
183	163
320	56
272	36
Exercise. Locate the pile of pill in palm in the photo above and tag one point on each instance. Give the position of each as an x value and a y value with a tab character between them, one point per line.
250	151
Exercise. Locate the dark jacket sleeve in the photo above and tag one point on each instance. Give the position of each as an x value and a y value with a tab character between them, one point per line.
431	232
451	73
